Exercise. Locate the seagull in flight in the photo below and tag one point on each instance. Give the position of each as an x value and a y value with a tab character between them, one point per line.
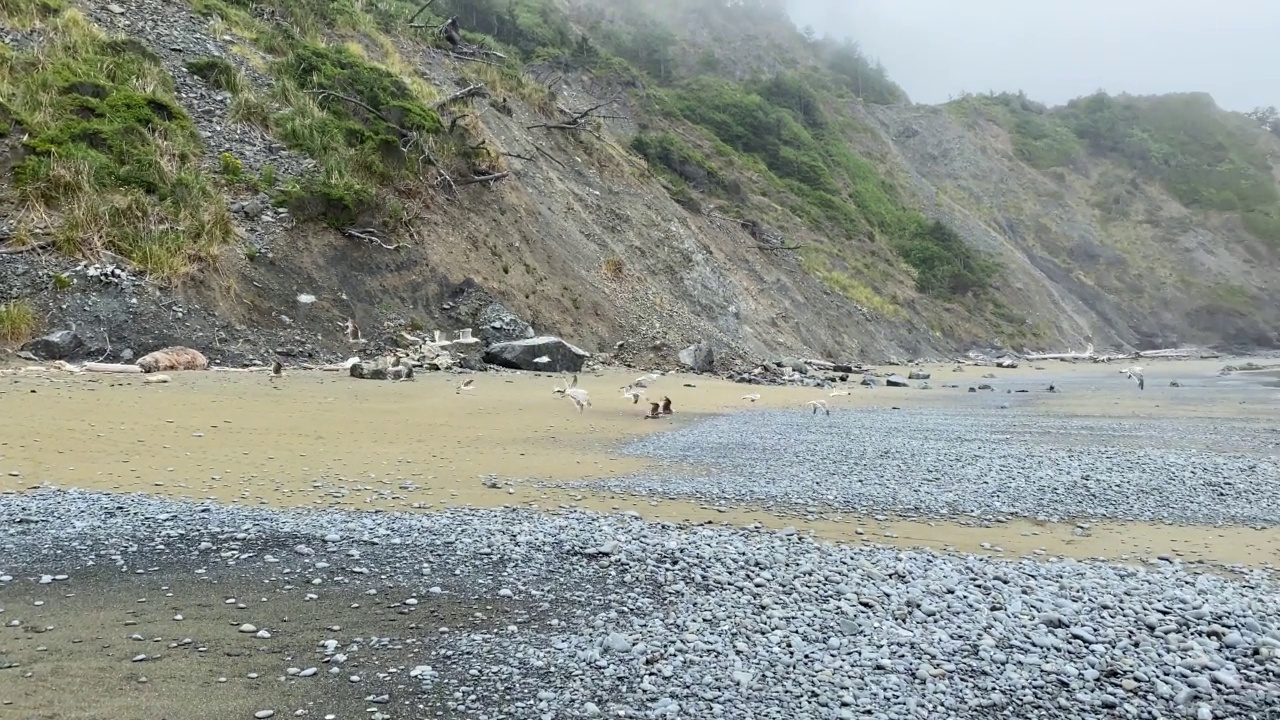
468	384
1135	374
819	404
579	396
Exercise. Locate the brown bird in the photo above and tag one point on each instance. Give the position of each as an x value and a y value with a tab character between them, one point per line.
666	405
276	368
654	411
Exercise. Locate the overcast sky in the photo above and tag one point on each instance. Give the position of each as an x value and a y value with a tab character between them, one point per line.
1056	50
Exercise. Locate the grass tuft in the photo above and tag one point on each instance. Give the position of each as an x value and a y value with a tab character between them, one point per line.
18	322
110	152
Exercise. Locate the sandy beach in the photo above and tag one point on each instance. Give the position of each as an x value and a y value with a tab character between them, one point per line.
323	440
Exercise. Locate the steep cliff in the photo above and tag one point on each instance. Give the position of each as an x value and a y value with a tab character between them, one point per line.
633	176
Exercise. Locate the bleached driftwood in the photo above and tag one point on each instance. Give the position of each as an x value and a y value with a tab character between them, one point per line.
173	358
1088	354
156	378
1166	353
110	368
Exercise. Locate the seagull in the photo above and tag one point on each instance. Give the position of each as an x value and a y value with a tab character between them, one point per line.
576	394
752	397
630	392
644	380
1135	373
819	404
467	384
277	370
353	331
666	405
835	393
399	372
654	411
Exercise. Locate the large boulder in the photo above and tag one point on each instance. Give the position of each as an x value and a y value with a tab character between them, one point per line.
896	381
58	345
496	324
699	358
375	369
544	354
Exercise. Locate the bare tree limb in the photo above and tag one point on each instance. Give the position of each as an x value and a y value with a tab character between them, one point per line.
421	10
484	178
107	333
518	156
468	58
358	103
453	124
471	91
370	236
16	249
549	156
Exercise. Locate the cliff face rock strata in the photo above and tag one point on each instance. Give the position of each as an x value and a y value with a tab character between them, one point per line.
601	210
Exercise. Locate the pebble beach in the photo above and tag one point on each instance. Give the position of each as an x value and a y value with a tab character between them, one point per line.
219	548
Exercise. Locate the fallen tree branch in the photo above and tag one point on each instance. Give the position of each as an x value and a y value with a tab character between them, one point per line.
421	10
1088	354
471	91
484	178
469	58
108	350
358	103
549	156
16	249
369	235
518	156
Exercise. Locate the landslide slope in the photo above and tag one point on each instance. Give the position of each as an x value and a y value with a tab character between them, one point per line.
632	176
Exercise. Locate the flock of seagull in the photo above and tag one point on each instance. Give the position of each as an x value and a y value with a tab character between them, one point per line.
633	391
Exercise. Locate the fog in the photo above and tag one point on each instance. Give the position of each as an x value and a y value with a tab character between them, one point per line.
1055	50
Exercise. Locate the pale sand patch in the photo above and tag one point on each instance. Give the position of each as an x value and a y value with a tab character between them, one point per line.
325	440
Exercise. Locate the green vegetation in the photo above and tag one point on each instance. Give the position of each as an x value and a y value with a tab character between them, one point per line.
110	152
18	322
1038	138
218	72
1206	158
799	150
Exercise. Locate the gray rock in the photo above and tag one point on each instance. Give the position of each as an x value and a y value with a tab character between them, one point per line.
370	369
918	375
58	345
699	358
896	381
497	324
545	354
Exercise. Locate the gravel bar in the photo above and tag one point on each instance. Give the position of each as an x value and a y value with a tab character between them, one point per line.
990	464
653	620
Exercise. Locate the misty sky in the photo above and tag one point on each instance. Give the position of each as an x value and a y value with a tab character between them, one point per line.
1059	49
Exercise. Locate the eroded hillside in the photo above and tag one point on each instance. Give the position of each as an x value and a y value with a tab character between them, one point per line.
634	177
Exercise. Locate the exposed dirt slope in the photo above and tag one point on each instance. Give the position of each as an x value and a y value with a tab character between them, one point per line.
582	240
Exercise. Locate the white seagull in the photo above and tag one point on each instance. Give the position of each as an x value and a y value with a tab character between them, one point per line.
579	396
752	397
468	384
819	404
1135	373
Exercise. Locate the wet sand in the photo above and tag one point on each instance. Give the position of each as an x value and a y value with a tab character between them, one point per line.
325	440
106	645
